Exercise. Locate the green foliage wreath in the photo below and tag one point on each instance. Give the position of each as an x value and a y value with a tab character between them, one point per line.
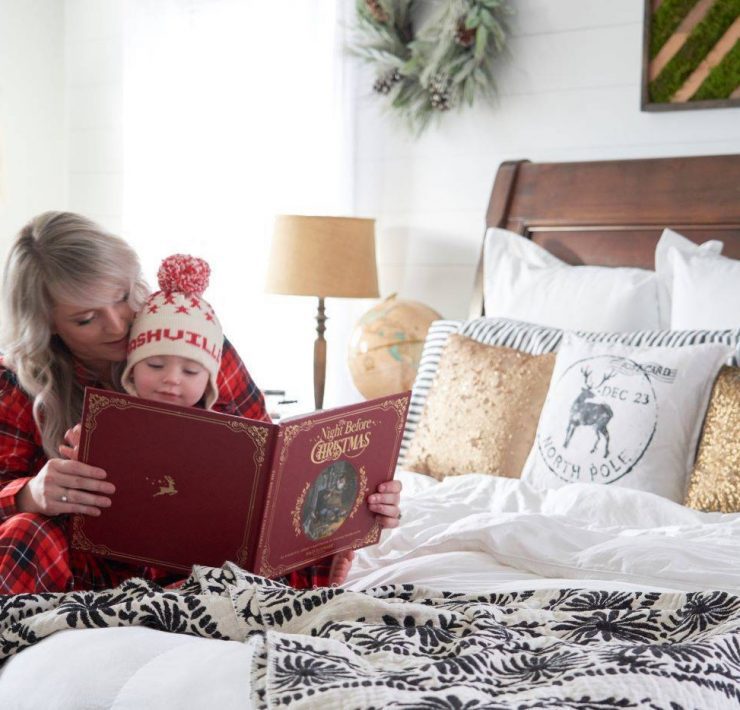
445	63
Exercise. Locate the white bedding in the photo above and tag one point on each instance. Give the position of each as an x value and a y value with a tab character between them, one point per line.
469	533
126	669
482	533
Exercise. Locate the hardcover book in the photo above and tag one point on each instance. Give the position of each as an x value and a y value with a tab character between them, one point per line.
199	487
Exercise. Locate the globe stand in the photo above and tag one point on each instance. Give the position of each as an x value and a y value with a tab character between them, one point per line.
319	357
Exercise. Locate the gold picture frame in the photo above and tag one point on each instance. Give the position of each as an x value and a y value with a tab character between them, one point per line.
691	54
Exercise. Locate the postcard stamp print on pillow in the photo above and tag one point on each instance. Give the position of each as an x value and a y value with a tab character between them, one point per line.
621	415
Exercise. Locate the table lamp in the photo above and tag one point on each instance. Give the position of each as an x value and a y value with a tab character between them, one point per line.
323	257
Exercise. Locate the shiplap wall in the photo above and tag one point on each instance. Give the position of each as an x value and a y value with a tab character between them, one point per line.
61	111
93	32
33	147
569	89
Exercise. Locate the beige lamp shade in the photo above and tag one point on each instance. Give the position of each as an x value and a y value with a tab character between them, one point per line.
323	256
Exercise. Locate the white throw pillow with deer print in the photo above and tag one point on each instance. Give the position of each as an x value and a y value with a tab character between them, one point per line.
624	416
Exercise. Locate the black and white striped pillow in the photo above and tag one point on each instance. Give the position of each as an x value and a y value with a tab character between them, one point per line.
526	337
434	343
538	339
534	340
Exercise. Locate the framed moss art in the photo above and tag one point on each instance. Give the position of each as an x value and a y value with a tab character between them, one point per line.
691	54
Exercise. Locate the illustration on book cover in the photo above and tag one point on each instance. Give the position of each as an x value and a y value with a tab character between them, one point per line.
329	500
335	494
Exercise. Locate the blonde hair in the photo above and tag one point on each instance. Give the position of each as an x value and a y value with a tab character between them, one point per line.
59	257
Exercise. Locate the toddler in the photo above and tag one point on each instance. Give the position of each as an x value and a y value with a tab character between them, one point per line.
175	344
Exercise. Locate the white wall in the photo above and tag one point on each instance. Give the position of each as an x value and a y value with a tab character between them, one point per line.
569	90
61	131
33	150
93	85
98	36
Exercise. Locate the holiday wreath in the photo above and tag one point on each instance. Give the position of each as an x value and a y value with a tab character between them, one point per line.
445	63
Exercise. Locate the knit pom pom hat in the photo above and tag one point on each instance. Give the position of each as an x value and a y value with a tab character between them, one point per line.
177	321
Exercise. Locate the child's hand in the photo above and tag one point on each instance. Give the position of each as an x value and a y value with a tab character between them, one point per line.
71	449
341	564
384	503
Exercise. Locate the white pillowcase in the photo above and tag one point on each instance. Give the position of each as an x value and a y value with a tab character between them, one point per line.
671	245
625	416
525	282
706	291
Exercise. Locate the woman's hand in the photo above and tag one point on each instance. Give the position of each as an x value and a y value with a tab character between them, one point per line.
66	486
384	503
340	566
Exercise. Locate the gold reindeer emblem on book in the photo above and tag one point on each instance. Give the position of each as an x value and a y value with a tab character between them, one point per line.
168	489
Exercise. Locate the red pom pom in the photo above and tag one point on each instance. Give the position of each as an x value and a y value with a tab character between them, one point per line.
184	273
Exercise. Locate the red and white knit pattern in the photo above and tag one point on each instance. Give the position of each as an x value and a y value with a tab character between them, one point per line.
184	273
178	321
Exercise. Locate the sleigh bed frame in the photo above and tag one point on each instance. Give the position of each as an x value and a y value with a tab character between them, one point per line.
611	213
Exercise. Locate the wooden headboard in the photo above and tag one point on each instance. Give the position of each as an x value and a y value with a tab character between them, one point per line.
612	212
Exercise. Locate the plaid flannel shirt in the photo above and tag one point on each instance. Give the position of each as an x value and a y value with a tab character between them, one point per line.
22	455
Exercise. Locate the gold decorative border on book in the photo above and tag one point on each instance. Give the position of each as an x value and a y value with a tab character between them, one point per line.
268	571
257	434
372	535
298	509
98	403
82	542
290	432
360	498
399	405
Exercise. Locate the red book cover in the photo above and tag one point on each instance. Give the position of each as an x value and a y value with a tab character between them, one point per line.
200	487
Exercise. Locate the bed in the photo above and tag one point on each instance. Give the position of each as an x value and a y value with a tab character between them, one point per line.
493	592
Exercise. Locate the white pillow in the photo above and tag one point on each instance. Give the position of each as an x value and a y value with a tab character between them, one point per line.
706	291
621	415
525	282
668	245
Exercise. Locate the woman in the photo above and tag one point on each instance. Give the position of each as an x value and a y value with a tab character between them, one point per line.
70	291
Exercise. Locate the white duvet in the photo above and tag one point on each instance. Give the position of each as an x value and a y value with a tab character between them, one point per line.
477	533
468	533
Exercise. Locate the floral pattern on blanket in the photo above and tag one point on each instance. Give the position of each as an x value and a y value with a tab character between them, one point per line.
410	647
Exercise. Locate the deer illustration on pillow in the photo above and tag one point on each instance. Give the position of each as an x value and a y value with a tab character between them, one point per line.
593	414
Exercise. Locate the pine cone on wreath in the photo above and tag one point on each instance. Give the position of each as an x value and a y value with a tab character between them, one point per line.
385	83
439	90
377	11
464	36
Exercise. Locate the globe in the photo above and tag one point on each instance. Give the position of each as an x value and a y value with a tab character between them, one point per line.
386	344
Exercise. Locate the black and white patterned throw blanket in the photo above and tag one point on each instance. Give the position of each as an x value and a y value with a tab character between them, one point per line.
407	647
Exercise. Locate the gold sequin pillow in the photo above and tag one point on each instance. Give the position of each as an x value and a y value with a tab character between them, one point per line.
715	480
482	410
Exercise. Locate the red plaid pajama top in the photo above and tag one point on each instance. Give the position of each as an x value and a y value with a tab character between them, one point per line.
34	549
